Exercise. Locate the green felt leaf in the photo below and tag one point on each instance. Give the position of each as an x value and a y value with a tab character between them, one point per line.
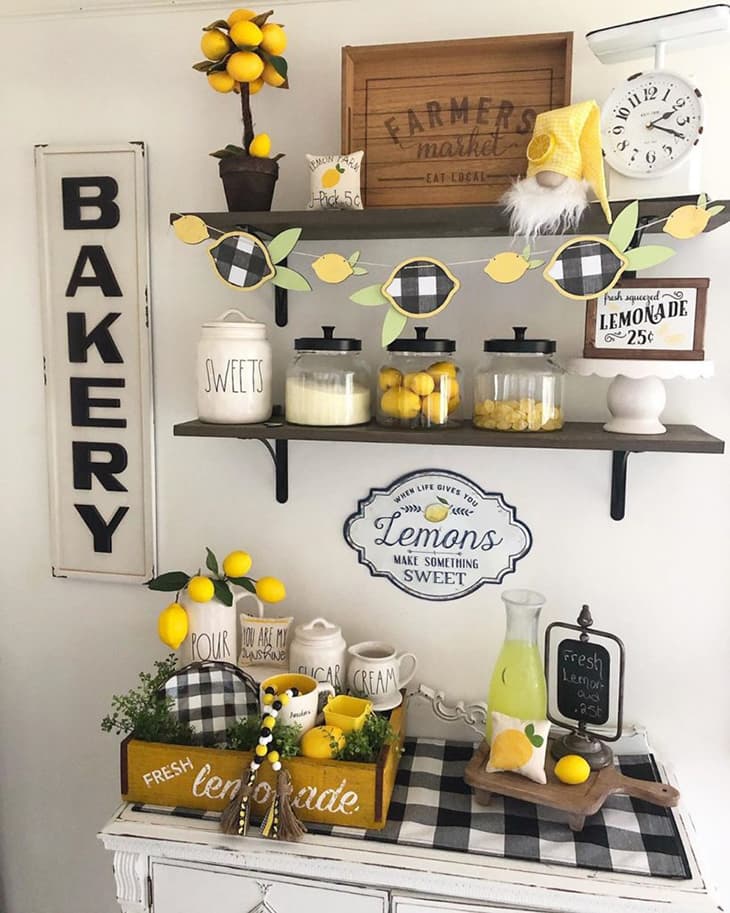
359	271
536	740
393	326
526	251
702	201
370	296
624	226
170	582
223	592
244	582
211	562
530	730
648	255
713	210
290	279
283	244
353	258
533	264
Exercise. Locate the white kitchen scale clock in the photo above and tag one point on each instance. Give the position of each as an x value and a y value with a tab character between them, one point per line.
652	123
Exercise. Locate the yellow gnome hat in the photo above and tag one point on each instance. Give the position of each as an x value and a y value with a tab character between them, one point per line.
568	141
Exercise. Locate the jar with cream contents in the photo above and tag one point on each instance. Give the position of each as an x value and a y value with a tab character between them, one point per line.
328	383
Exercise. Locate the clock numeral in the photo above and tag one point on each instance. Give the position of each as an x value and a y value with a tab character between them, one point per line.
668	150
650	93
651	157
634	153
634	100
679	103
667	94
617	130
624	144
623	113
681	121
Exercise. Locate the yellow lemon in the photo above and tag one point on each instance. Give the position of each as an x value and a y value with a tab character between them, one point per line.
332	268
191	229
200	589
435	408
400	403
389	377
214	44
511	749
454	403
572	769
540	147
246	34
260	146
420	382
239	14
274	38
509	266
172	625
221	81
442	369
687	222
270	589
237	564
256	85
322	742
449	386
436	513
244	66
331	177
271	77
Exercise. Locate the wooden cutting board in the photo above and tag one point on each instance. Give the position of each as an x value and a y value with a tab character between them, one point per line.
579	801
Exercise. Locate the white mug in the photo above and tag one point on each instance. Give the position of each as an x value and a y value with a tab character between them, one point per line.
302	710
376	672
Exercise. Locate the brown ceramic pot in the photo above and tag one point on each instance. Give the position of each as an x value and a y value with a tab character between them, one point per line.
248	182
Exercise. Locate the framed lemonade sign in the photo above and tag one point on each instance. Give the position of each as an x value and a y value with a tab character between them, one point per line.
445	123
437	535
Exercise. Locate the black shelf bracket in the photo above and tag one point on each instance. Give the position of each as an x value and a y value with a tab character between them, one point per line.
280	455
281	303
619	463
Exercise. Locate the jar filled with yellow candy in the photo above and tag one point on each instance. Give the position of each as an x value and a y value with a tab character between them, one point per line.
420	386
520	385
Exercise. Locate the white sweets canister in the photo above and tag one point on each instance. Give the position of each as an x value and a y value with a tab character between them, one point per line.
318	649
234	371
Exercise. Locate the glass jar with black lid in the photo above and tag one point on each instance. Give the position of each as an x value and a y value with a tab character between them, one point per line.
519	387
328	382
420	386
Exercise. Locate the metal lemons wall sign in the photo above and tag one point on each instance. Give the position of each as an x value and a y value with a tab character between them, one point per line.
437	535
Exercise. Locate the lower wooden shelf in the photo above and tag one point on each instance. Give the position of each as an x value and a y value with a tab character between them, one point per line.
573	436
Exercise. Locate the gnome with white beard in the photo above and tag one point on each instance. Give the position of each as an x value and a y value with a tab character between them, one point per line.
565	165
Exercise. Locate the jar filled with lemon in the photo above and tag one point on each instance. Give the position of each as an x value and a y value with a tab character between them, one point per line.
520	385
420	386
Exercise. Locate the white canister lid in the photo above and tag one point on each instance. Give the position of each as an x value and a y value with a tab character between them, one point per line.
318	632
244	328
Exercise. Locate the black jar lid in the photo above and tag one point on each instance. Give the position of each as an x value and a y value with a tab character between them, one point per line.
520	344
328	342
421	344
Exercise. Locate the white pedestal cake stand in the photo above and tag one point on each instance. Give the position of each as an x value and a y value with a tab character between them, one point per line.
636	396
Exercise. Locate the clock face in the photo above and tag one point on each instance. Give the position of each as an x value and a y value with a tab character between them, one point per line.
651	123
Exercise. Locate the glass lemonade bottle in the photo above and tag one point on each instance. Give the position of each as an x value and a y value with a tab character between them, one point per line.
518	682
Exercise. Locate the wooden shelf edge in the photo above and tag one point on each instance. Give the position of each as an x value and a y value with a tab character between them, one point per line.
574	436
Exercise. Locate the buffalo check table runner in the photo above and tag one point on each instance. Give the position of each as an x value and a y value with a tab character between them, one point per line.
432	807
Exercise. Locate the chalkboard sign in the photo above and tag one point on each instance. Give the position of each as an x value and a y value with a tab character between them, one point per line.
583	681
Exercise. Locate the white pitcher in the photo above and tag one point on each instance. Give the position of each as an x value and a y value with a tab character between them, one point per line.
376	672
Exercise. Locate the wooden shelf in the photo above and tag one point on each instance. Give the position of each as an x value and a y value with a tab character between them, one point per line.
427	222
574	436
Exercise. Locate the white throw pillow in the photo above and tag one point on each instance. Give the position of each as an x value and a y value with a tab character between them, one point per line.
335	181
519	746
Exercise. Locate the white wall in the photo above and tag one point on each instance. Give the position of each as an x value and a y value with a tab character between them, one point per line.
658	579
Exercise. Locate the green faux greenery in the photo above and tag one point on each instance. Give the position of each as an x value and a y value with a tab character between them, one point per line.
366	744
145	713
244	736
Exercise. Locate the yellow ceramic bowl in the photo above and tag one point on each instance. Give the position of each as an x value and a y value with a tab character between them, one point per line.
349	713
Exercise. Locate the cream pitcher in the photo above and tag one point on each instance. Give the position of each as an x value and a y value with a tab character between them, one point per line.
376	671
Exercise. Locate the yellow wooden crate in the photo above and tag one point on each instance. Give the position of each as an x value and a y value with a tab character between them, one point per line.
328	792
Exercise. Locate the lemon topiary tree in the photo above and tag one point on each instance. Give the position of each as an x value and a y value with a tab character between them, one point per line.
243	55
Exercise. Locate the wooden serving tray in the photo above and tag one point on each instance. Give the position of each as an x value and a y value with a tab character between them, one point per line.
579	801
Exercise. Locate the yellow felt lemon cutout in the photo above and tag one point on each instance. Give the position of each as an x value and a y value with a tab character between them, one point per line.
190	229
512	748
437	513
689	221
509	266
572	769
334	268
322	742
172	625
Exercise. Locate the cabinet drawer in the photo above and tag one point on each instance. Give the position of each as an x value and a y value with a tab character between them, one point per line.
417	905
178	888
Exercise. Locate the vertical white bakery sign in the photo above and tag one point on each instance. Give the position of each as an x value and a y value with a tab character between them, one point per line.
92	208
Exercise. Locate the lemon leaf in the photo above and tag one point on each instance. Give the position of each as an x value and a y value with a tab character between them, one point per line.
442	500
191	229
353	258
526	251
223	592
370	296
279	64
713	210
169	583
218	24
702	201
536	740
283	244
211	562
392	326
261	18
624	226
244	582
359	271
530	730
204	66
533	264
647	255
290	279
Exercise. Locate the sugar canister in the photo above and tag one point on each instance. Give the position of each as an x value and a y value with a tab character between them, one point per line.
234	371
318	649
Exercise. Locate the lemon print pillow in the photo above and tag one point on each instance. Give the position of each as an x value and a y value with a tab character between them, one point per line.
335	181
518	746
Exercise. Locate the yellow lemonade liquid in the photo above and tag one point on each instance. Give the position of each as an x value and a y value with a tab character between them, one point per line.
518	683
